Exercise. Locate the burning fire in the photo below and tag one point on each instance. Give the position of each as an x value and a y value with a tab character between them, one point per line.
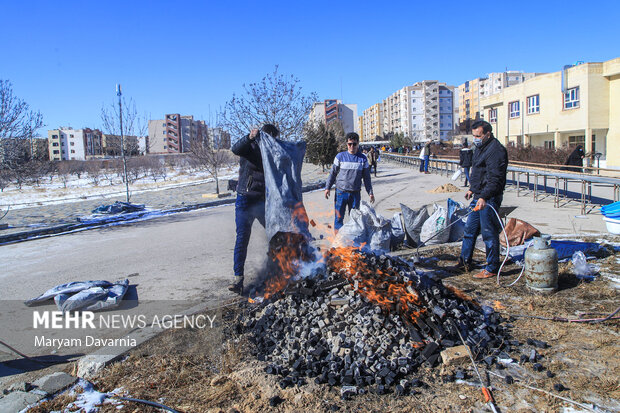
498	306
377	285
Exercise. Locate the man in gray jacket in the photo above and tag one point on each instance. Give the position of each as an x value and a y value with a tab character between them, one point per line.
349	169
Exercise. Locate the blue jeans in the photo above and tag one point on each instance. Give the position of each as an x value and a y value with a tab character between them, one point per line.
483	222
342	200
247	209
466	171
426	159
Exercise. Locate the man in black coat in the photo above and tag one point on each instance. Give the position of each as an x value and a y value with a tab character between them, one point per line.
487	183
465	159
250	203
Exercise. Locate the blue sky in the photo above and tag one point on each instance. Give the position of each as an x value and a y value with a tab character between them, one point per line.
65	57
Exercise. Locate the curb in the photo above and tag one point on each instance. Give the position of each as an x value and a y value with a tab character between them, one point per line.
66	228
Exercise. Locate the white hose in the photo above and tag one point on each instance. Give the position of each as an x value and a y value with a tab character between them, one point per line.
507	251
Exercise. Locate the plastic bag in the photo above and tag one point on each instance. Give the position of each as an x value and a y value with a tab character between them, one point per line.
581	268
413	220
456	213
457	174
433	231
398	230
365	228
284	208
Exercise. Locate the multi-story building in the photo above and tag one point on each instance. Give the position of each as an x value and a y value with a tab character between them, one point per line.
333	109
472	91
73	144
174	133
373	122
111	145
396	110
360	127
219	138
421	112
577	105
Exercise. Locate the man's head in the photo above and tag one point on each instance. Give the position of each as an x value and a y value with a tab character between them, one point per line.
271	130
481	130
353	141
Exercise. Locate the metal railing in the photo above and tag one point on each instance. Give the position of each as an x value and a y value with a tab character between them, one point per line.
531	180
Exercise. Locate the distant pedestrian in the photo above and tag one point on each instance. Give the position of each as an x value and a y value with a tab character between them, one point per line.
575	160
373	156
465	159
349	169
425	156
250	203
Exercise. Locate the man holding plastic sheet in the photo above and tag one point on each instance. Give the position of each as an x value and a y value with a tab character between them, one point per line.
250	203
349	169
487	182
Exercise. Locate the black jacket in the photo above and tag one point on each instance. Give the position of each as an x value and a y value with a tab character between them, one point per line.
251	176
465	157
488	175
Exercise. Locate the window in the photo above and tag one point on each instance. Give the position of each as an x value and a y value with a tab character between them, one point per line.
513	108
576	140
549	145
72	151
493	115
54	143
571	98
56	151
533	104
72	143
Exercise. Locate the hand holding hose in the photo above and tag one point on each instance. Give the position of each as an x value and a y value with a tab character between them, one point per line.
481	204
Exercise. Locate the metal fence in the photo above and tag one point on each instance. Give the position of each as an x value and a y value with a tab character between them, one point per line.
593	190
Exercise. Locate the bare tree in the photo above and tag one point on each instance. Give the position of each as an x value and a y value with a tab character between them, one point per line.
206	157
123	120
64	171
276	99
93	169
18	124
17	120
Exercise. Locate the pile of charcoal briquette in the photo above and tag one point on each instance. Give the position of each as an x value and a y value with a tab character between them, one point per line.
333	328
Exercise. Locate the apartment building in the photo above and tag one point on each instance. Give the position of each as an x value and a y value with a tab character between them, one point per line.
577	105
360	127
219	138
472	91
421	112
174	133
74	144
111	145
333	109
372	122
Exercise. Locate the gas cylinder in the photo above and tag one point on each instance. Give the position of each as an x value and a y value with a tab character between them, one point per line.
541	265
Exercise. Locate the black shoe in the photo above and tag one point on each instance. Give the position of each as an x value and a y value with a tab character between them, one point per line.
236	286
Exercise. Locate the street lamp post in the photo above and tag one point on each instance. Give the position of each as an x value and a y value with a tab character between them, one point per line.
119	93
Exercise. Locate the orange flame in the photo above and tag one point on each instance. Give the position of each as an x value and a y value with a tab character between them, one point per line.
498	305
378	286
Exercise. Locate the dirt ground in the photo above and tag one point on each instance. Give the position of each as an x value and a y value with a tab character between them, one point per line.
213	370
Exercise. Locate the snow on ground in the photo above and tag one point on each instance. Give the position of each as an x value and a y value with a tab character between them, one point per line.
77	190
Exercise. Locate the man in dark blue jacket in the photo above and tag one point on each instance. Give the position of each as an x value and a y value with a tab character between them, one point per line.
250	203
350	168
487	182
